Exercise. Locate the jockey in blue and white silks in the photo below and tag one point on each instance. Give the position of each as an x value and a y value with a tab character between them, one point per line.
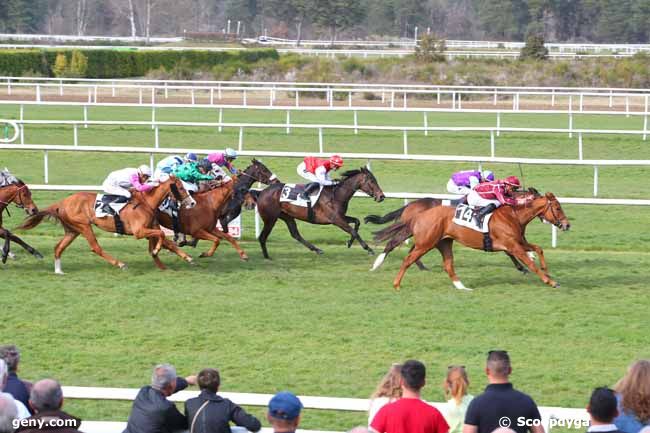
170	163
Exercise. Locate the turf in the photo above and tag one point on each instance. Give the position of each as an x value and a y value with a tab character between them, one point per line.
325	325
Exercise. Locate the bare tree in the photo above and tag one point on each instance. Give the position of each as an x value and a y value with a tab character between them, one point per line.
132	18
82	18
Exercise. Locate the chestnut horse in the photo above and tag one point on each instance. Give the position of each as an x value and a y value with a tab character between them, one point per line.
77	213
201	220
405	213
435	228
330	208
19	194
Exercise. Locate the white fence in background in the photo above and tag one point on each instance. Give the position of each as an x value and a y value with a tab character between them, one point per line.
550	415
73	38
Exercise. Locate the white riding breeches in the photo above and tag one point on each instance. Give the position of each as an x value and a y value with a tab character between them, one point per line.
115	189
452	188
302	172
190	187
474	199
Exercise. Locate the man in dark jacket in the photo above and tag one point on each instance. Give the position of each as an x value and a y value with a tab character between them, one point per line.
151	411
210	413
46	400
15	386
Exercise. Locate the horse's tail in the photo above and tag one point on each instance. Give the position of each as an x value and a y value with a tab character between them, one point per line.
390	216
398	229
32	221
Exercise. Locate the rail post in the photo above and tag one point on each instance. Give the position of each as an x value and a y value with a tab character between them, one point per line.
570	116
22	125
297	98
350	99
85	116
245	98
498	123
38	93
453	100
8	86
151	162
288	122
95	94
167	91
153	116
211	95
581	100
75	134
627	106
320	140
271	98
140	96
553	98
595	180
219	95
46	170
220	119
495	97
553	236
192	95
645	118
492	144
257	223
392	99
426	124
406	143
438	96
90	95
153	95
240	144
580	145
61	88
356	123
156	137
405	100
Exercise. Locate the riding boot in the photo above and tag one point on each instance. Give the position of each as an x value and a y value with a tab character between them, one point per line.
480	215
309	188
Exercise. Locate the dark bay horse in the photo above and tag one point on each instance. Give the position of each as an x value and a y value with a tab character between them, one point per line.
201	220
19	194
330	208
77	214
433	228
405	213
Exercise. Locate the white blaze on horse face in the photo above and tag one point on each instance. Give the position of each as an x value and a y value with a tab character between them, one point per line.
189	202
57	267
378	261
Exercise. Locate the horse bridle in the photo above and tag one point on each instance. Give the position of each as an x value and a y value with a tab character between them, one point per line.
20	205
271	179
557	222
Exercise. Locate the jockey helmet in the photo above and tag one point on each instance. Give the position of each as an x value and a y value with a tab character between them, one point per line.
205	165
230	153
336	161
487	175
191	156
512	180
144	170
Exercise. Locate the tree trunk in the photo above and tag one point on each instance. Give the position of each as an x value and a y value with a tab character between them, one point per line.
148	24
333	33
132	18
299	30
81	17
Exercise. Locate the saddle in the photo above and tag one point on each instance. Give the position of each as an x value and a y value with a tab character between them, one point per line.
292	193
111	205
466	216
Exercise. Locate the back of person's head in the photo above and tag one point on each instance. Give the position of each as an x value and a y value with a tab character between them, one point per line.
634	389
46	396
3	374
11	356
209	379
413	374
390	384
456	383
284	411
498	364
8	413
602	405
163	376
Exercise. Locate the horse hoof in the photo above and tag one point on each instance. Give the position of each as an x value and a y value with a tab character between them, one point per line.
319	252
4	259
555	285
123	266
203	255
524	271
38	255
349	243
244	258
371	252
59	273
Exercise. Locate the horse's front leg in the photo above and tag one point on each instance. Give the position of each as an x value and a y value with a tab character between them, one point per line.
341	222
540	254
356	222
31	250
520	252
157	234
5	249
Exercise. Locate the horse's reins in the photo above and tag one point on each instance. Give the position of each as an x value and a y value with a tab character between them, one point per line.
20	205
557	222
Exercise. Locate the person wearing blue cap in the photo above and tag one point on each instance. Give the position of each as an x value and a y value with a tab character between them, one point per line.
284	412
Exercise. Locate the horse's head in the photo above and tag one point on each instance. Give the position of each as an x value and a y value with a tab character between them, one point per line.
367	183
180	193
260	172
554	214
23	198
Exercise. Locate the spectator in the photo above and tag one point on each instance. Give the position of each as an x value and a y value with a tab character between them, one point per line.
501	405
151	411
387	391
210	413
455	386
8	413
16	387
602	410
46	399
633	393
284	412
410	414
23	412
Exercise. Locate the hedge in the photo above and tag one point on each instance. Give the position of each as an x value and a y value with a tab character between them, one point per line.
124	63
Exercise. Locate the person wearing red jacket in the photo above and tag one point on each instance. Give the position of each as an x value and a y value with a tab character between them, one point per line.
317	172
490	195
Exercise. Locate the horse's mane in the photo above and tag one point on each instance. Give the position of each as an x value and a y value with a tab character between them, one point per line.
348	174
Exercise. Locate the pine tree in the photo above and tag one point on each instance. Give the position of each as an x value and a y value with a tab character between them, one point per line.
337	15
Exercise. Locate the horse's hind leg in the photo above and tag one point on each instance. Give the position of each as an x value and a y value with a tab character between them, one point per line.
356	222
445	246
293	229
517	264
68	238
343	225
5	249
417	252
269	222
88	233
31	250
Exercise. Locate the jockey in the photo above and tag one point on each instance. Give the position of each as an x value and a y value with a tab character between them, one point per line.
491	195
224	159
191	173
168	164
463	182
317	172
119	182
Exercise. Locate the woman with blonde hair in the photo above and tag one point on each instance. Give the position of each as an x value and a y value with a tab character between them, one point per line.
388	390
455	386
633	394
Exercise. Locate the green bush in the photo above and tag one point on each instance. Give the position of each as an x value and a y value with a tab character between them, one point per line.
534	49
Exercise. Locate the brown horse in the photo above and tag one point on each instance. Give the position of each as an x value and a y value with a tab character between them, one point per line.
330	208
201	220
405	213
19	194
435	228
77	213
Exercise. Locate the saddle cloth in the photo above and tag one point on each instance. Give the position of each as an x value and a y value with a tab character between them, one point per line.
166	207
107	198
291	194
464	216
